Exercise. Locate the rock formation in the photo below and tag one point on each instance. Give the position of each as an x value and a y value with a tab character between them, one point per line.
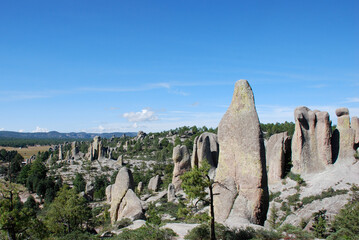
108	193
68	154
241	171
182	164
278	152
124	202
61	157
90	153
74	149
140	136
311	144
206	148
139	187
154	183
89	190
171	194
345	137
97	150
120	160
355	126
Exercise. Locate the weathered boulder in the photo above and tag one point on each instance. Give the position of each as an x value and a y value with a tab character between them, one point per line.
171	194
108	193
278	154
74	149
90	153
241	171
124	202
182	164
154	183
61	157
206	148
345	137
120	160
96	147
311	144
140	136
342	112
139	187
130	207
97	150
68	154
89	190
355	125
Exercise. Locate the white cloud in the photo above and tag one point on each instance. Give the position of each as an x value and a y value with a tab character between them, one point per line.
2	129
39	129
160	85
144	116
353	100
21	130
274	113
101	128
179	92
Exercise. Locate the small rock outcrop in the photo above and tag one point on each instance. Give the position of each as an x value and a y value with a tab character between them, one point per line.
139	187
311	144
206	148
182	164
241	172
278	153
74	149
90	152
120	160
154	183
124	202
97	151
96	147
61	156
140	136
345	137
108	193
171	193
89	190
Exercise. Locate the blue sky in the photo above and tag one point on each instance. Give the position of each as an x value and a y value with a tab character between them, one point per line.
104	66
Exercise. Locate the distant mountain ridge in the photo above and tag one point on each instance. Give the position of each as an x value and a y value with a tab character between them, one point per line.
58	135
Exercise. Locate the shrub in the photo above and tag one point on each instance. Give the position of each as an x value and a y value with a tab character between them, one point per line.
293	199
346	223
304	222
330	192
273	219
153	216
297	178
288	230
147	232
222	232
124	222
273	196
320	224
79	182
199	233
78	235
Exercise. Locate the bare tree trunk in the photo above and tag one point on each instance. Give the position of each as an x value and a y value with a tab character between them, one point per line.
213	232
11	235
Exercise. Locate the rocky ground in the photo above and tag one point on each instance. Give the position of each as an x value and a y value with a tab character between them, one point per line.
328	190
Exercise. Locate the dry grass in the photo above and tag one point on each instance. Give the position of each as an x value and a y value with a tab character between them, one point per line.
28	151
